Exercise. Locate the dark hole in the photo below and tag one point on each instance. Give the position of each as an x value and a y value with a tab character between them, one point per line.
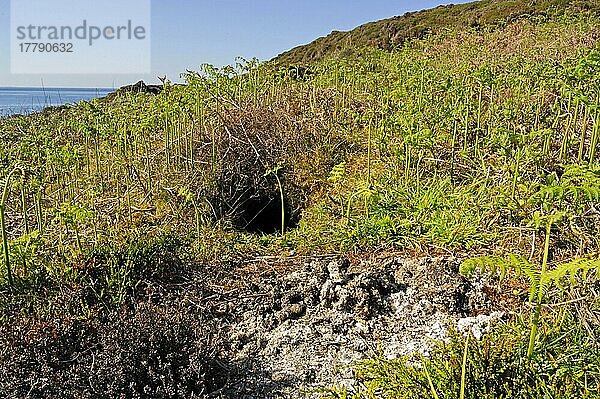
262	215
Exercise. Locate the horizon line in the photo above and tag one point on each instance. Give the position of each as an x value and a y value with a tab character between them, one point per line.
60	87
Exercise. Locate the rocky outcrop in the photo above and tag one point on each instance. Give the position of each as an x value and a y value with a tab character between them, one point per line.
139	87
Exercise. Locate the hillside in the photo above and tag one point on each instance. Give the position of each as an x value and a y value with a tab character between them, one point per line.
389	34
411	224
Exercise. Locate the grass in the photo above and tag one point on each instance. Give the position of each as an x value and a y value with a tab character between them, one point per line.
458	142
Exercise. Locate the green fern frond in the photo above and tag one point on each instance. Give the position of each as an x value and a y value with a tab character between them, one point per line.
496	265
337	173
538	283
578	183
571	270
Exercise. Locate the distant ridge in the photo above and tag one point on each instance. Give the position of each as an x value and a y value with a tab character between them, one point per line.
390	33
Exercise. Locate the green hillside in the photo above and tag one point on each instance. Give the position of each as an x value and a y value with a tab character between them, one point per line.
479	141
392	33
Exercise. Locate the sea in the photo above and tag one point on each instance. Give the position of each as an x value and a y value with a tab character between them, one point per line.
25	100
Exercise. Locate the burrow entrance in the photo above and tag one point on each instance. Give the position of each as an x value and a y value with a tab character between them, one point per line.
262	215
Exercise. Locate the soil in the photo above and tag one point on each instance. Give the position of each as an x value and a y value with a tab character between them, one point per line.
274	328
308	326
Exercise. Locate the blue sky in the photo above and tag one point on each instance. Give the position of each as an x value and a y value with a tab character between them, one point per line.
187	33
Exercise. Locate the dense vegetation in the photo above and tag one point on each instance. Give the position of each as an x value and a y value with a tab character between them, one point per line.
479	140
389	34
